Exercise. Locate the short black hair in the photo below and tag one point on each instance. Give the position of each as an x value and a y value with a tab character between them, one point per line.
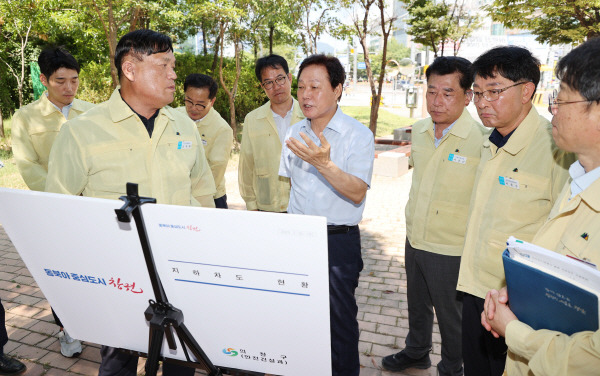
335	69
444	65
514	63
201	81
139	43
272	61
580	70
52	59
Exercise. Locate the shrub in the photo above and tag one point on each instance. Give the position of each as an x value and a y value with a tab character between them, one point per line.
95	82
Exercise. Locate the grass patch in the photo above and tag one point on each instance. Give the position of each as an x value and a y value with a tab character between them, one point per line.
9	174
386	121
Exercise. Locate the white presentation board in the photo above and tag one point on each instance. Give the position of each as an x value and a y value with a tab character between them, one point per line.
253	286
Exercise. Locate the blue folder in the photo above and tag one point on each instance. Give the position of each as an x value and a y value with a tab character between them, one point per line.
544	301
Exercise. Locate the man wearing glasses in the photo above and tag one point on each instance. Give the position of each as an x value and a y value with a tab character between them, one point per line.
264	130
446	148
217	136
576	121
518	180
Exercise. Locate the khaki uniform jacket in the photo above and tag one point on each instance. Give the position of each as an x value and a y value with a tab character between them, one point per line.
34	128
515	188
442	182
217	139
545	352
258	172
99	152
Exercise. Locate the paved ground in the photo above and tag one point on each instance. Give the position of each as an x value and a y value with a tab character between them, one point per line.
381	294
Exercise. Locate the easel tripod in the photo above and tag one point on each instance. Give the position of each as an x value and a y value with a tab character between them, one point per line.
161	315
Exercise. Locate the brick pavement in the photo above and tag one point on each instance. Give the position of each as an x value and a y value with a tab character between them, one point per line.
381	294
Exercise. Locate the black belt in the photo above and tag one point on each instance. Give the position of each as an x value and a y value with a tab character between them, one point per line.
335	229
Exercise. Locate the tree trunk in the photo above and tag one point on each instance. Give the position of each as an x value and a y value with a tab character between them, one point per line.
271	32
110	32
22	78
20	89
374	114
362	38
231	94
216	54
377	95
112	47
233	122
204	48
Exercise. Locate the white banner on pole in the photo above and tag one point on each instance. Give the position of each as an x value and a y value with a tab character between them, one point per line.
253	287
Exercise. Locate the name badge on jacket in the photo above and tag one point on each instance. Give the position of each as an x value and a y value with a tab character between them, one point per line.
184	145
457	158
512	183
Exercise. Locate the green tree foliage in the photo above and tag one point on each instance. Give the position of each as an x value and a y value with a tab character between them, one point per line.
19	20
95	82
434	24
314	18
429	24
462	24
90	29
553	21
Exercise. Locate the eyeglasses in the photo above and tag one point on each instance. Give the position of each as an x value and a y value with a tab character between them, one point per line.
279	80
553	102
197	106
493	94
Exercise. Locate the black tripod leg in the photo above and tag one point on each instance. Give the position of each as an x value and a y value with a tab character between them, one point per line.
156	340
184	335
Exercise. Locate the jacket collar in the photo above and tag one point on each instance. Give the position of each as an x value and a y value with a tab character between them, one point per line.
591	196
119	110
461	128
265	111
46	107
524	133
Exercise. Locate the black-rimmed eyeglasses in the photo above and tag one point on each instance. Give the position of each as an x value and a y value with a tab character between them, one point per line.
198	106
279	80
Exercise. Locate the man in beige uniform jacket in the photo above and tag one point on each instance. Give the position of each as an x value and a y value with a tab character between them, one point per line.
572	228
518	180
35	126
134	137
217	136
445	154
264	130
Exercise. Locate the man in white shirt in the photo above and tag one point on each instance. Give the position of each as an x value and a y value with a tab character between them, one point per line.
329	159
